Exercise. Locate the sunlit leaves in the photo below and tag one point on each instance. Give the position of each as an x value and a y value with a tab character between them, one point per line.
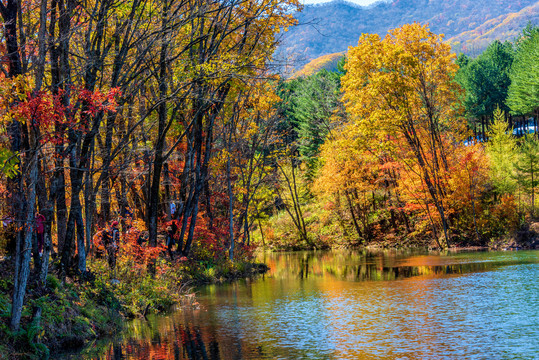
502	152
9	163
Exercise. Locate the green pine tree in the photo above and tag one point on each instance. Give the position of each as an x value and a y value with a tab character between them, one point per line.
486	79
524	89
527	167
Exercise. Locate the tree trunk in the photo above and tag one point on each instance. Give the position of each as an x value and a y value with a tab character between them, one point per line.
153	205
354	220
230	209
81	245
261	232
24	247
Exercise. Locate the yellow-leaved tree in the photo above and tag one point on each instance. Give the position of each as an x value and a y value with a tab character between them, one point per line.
402	86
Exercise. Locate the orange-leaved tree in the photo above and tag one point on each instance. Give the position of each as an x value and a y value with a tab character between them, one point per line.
402	85
351	171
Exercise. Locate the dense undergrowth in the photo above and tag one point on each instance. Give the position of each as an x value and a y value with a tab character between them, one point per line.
71	314
75	311
327	229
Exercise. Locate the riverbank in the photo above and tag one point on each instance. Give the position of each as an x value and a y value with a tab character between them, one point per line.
73	312
350	304
326	231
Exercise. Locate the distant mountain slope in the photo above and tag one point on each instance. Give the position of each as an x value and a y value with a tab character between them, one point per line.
506	26
328	62
333	27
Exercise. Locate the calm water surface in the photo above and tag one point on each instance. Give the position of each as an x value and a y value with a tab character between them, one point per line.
353	305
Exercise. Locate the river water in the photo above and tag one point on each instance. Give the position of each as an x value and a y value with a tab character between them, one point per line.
353	305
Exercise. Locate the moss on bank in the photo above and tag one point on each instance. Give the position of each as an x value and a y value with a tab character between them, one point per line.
70	316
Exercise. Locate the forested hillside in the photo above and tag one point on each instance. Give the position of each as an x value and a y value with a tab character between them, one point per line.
325	62
406	142
470	25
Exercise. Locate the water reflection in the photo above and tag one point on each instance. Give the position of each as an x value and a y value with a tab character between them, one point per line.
386	265
353	305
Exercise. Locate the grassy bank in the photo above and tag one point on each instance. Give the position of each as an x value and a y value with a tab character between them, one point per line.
71	315
74	312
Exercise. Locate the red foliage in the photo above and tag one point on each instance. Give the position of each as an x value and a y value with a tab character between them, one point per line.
45	110
138	255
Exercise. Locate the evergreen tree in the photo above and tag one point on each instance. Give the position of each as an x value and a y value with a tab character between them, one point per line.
317	101
527	167
308	103
486	79
524	90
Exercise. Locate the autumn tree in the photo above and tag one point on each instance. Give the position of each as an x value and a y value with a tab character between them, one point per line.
99	98
351	175
468	186
22	137
403	86
501	150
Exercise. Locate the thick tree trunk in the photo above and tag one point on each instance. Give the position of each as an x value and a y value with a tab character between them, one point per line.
167	200
47	246
153	204
89	209
106	182
22	209
9	13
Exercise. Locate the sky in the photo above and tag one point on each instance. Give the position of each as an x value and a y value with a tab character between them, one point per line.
359	2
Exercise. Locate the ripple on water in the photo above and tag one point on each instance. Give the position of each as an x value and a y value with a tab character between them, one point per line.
482	315
356	305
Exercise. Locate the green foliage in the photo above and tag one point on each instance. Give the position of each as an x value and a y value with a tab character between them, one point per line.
9	163
486	79
524	90
463	60
286	127
5	306
527	167
52	282
133	295
307	107
502	153
317	101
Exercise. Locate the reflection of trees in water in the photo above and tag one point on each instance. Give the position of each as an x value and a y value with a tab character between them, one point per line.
367	266
174	340
184	343
194	347
304	265
225	333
